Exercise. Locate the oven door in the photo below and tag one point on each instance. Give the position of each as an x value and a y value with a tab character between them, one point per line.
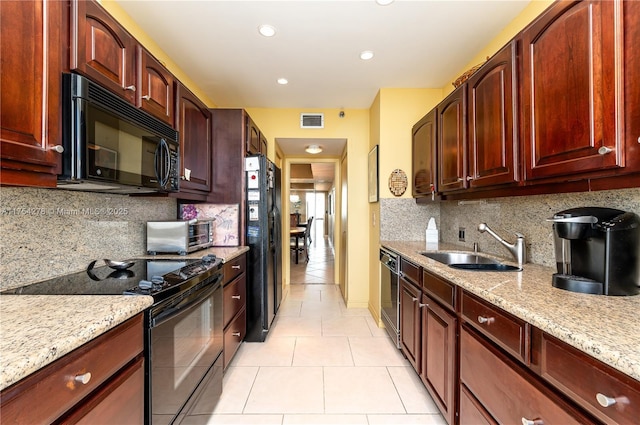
389	299
185	340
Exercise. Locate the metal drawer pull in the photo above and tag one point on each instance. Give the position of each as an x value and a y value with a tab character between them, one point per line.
131	88
57	148
235	297
423	305
235	267
605	401
604	150
483	320
146	97
414	299
526	421
235	333
84	378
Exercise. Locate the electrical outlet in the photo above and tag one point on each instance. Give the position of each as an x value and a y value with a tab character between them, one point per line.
461	234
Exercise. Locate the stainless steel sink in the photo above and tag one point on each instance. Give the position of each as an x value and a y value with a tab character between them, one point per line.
469	261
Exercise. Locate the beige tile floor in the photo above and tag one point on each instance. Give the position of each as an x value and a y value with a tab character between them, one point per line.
321	364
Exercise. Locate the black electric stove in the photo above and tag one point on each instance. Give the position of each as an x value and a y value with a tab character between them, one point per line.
159	278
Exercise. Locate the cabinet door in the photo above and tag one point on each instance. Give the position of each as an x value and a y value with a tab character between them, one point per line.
631	11
155	87
253	137
193	122
410	322
264	145
438	356
492	111
31	46
452	140
569	90
102	50
423	140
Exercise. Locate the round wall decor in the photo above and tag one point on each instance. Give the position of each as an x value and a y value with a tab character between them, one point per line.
397	182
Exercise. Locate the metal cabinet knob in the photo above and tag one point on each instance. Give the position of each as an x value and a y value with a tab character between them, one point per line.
235	267
469	178
526	421
146	97
414	299
423	305
605	401
83	379
460	179
235	297
57	148
483	320
604	150
130	88
235	333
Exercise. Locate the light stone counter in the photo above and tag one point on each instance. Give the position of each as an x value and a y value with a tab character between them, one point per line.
603	327
36	330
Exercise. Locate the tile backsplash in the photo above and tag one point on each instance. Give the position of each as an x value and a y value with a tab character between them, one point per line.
506	216
52	232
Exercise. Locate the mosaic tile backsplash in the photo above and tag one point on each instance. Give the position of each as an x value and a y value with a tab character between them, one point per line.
51	232
506	216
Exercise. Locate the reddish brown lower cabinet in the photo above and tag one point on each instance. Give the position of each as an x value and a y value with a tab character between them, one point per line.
234	306
471	411
438	356
505	390
97	375
410	321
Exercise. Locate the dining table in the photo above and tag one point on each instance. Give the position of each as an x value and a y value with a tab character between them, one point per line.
297	232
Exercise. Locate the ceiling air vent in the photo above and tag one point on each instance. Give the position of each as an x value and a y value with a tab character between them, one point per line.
311	120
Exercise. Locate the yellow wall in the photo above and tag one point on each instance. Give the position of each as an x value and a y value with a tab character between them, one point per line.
354	127
125	20
374	212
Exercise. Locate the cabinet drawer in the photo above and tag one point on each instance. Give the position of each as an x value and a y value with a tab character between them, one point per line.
505	390
57	387
439	289
410	271
235	298
234	268
471	411
587	381
506	330
233	336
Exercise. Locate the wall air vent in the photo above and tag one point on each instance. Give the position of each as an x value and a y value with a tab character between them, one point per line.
311	120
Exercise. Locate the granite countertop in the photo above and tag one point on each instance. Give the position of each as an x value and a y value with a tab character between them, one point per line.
601	326
36	330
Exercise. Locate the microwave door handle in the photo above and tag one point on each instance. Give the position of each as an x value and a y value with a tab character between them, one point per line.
162	157
166	162
157	159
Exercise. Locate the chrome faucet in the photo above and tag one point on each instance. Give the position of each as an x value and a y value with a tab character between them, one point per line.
516	249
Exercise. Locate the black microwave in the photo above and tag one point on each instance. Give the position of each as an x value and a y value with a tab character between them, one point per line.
112	146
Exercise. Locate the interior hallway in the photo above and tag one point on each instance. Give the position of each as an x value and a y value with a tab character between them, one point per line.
321	364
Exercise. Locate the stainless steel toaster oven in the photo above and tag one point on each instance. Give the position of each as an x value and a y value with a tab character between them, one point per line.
178	237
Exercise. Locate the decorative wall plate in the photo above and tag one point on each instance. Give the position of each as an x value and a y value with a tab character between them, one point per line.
397	182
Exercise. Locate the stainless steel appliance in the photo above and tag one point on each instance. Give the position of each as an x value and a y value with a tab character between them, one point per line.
264	259
183	328
390	294
180	237
112	146
597	251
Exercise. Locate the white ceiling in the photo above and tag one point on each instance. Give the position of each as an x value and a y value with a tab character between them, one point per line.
417	44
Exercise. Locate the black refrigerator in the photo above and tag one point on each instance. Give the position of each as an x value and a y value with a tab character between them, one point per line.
263	236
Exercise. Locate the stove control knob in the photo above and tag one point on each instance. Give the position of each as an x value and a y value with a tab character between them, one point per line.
209	258
145	284
157	280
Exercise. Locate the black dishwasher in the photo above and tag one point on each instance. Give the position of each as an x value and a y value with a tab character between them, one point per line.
389	290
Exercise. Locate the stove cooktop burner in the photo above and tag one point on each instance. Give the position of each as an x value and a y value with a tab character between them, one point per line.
158	278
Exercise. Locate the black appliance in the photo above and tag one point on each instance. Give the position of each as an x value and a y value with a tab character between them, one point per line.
263	236
390	294
597	251
112	146
183	327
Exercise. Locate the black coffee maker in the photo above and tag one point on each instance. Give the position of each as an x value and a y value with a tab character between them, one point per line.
597	251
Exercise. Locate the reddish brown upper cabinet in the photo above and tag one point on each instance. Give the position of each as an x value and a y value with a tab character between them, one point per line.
452	140
631	12
570	90
492	113
253	137
423	140
193	121
30	97
156	87
103	50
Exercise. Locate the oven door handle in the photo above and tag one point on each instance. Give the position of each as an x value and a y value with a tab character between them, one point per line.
186	303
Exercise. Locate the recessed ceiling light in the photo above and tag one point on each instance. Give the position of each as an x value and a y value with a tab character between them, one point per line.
384	2
267	30
366	55
313	149
283	81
